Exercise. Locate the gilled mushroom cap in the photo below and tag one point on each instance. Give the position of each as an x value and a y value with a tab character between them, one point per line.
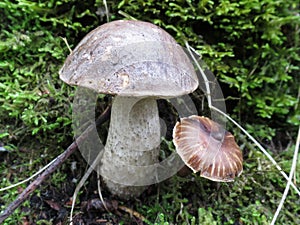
205	146
130	58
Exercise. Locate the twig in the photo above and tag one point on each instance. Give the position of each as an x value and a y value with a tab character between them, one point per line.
132	213
58	161
32	186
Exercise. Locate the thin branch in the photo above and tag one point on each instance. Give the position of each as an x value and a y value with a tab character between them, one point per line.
57	162
31	187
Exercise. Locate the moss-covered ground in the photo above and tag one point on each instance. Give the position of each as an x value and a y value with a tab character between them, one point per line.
252	47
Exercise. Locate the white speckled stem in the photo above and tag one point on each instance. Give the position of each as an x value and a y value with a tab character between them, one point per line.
133	140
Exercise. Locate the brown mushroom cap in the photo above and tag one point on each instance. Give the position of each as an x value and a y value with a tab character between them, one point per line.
205	146
130	58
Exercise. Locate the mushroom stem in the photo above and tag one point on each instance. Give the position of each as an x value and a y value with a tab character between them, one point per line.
132	145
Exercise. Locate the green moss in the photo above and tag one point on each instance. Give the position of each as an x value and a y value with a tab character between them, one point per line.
32	96
251	46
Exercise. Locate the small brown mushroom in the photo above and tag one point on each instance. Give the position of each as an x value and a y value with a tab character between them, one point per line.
205	146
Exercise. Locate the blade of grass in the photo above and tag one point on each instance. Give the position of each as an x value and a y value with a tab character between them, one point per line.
106	10
233	121
127	16
81	183
259	146
206	81
289	183
29	178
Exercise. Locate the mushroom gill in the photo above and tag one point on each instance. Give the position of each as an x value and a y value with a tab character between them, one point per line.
205	146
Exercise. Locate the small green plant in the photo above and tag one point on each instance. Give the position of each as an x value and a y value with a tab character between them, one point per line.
161	220
252	214
206	217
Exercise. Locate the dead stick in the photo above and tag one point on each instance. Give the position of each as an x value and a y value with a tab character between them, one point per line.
58	161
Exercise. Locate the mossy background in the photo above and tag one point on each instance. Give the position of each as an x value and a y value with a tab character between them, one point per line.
252	47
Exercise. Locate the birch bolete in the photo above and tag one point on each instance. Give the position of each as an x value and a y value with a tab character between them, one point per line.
137	62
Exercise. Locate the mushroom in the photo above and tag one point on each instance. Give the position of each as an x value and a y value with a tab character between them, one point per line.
206	146
137	62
